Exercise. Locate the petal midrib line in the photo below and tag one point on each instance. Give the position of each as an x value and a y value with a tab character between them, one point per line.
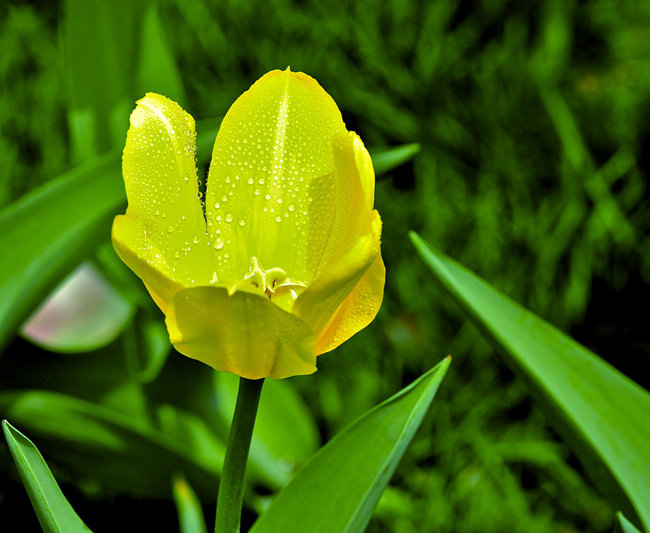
172	136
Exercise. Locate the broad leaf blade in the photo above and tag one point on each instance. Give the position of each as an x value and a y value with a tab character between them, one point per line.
338	488
599	411
190	514
54	512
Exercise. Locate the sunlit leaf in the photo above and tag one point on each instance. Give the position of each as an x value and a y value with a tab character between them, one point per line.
82	314
600	412
338	488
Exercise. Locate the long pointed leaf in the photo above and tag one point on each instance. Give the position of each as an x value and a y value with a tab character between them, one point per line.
54	512
600	412
339	487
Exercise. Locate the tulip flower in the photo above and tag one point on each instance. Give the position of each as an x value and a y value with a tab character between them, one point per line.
280	262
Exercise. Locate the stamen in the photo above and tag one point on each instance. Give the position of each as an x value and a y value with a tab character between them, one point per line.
274	283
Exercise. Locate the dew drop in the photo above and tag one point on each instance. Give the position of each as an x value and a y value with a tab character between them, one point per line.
228	218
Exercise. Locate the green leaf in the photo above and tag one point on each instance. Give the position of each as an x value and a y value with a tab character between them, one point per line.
623	525
338	488
123	454
49	231
54	512
601	413
386	159
99	42
157	70
190	514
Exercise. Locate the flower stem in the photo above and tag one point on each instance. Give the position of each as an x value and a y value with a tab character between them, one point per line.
231	486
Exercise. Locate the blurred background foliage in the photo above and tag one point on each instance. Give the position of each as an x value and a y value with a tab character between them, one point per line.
533	122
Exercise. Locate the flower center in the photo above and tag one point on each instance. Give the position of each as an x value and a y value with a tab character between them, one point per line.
275	283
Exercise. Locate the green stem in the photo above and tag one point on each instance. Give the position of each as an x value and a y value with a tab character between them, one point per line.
231	486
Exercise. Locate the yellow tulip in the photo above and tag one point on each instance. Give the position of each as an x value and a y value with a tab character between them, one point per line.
281	261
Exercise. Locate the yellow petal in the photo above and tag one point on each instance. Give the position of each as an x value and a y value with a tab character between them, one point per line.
127	230
319	303
351	216
164	224
242	333
271	187
357	310
366	170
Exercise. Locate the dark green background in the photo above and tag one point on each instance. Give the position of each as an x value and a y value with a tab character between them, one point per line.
533	121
